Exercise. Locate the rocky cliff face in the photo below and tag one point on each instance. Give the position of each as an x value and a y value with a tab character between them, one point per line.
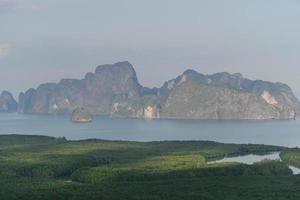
111	89
114	90
7	102
226	96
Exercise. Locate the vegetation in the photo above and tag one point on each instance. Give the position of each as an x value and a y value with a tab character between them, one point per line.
291	156
38	167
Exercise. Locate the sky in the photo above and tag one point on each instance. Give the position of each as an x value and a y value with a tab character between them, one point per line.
44	41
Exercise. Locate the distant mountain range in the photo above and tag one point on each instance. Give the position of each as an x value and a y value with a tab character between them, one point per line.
114	90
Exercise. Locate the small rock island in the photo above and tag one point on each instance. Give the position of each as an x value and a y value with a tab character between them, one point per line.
81	115
7	103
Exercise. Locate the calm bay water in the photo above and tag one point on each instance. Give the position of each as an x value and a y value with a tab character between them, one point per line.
285	133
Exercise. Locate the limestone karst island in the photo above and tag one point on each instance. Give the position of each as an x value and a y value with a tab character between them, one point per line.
114	90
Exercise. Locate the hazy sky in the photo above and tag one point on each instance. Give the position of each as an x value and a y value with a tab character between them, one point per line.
46	40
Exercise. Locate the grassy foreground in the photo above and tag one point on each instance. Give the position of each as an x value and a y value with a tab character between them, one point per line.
39	167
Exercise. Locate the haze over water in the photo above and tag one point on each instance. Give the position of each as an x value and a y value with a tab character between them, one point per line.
284	133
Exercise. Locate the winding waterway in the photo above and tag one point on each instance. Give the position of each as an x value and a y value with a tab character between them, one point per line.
252	158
